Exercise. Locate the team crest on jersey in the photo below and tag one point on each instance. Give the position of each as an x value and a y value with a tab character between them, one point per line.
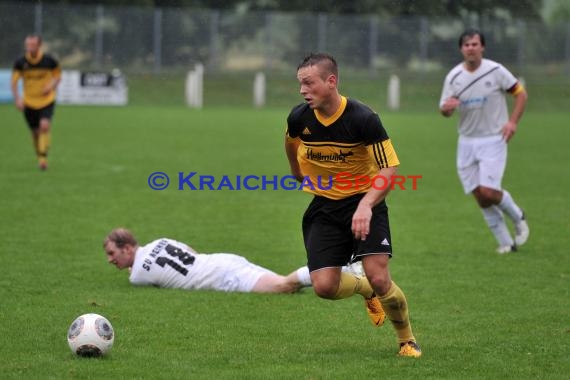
306	131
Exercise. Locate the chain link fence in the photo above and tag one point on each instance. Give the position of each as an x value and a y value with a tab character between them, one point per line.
155	40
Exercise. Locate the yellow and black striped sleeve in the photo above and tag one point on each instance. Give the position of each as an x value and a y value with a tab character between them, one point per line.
289	138
383	154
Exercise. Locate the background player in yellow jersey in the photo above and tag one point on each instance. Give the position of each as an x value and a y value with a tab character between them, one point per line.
41	75
326	135
476	88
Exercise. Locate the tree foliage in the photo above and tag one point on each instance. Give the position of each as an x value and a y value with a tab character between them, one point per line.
527	9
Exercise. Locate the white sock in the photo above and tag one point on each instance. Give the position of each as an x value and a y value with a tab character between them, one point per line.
494	218
354	268
510	208
304	276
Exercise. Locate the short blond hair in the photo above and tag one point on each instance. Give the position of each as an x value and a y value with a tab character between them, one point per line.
121	237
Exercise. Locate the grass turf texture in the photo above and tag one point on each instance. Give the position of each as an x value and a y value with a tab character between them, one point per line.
475	313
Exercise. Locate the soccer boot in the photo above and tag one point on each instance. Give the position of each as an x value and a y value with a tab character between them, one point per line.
410	349
42	163
521	231
506	249
375	310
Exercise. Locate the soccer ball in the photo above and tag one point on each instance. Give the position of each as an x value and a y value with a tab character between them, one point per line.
90	335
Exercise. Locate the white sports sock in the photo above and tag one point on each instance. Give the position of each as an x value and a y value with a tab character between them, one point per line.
509	207
494	218
304	276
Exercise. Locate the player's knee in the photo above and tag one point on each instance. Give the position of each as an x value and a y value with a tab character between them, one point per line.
486	197
325	290
380	283
484	202
44	125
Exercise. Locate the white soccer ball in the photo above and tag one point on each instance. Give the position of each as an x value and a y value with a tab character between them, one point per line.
90	335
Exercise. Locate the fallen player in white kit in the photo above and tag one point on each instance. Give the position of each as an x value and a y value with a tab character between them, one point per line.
168	263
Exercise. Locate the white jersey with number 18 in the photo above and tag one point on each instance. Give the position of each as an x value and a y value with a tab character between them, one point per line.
168	263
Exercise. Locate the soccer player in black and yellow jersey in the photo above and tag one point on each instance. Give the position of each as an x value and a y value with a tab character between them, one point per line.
41	74
329	137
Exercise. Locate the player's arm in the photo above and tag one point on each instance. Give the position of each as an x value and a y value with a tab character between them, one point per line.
385	158
291	148
519	106
18	101
363	214
140	276
54	82
449	106
293	142
448	102
51	86
383	155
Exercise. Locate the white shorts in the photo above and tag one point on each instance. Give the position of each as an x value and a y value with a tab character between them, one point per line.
241	275
481	161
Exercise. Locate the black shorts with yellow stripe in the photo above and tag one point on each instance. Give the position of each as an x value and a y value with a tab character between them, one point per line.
33	116
328	237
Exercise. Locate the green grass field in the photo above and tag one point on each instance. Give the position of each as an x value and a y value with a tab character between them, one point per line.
476	314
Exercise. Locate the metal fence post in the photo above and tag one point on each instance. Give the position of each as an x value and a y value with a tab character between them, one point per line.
268	41
373	44
322	32
214	60
567	50
157	43
521	42
99	36
38	18
424	41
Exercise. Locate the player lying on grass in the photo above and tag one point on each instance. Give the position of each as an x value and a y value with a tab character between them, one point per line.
168	263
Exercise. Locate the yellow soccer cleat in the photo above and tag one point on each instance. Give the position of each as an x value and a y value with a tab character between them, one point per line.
410	349
375	311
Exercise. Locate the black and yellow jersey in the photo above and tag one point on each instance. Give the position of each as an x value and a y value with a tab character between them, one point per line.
37	73
352	142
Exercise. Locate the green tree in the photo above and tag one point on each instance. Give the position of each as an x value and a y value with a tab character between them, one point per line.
527	9
556	11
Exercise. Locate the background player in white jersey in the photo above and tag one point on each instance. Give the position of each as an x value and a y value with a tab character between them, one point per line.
476	88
